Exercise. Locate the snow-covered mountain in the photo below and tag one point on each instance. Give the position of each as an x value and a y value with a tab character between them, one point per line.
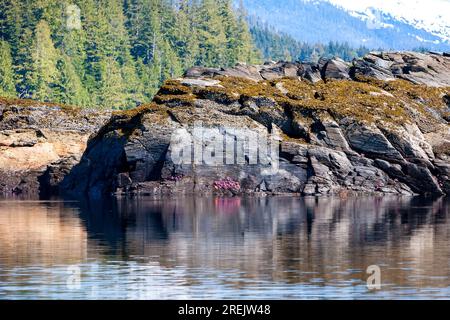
387	24
430	15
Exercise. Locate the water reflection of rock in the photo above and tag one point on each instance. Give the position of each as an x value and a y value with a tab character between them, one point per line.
284	239
40	234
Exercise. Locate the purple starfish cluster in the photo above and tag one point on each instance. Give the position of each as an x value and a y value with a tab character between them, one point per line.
176	178
227	184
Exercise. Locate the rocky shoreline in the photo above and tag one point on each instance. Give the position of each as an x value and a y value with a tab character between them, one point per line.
378	125
40	144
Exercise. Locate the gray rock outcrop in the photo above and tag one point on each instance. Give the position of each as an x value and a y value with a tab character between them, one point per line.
432	69
40	143
378	125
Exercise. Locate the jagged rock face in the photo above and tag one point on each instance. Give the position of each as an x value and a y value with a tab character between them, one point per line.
419	68
39	144
280	128
429	69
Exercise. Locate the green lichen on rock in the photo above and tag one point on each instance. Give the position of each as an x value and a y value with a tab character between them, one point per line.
366	100
29	103
123	122
174	94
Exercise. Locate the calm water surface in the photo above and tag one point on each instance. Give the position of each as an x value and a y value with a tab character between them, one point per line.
195	248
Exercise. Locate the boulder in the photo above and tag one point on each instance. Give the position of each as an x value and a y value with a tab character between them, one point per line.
335	69
369	140
431	69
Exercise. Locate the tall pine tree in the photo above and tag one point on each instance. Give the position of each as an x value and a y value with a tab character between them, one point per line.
211	35
7	87
44	73
69	88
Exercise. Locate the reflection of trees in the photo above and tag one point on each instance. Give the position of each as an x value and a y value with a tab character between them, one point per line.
284	238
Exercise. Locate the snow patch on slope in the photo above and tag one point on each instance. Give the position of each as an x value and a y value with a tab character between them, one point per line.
432	16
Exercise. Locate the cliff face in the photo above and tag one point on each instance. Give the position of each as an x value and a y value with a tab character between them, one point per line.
379	125
40	143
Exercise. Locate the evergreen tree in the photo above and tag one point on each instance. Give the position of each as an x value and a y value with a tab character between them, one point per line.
211	35
74	57
69	88
144	23
230	25
185	34
23	64
7	87
246	50
112	92
44	71
144	28
149	79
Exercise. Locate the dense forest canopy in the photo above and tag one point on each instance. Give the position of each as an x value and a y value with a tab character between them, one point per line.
276	45
116	53
113	53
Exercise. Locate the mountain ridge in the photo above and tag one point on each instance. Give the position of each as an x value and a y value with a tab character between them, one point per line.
322	21
432	16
